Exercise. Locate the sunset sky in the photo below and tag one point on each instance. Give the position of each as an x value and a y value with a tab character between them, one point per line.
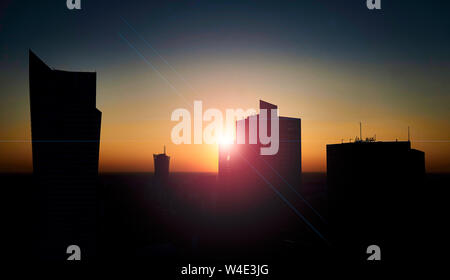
330	63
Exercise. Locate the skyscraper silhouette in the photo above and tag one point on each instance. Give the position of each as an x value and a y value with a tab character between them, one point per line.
252	184
161	162
65	129
284	167
373	192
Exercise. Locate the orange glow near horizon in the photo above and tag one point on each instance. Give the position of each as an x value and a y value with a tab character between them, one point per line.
136	155
331	99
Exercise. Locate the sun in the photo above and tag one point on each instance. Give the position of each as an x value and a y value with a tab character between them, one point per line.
225	139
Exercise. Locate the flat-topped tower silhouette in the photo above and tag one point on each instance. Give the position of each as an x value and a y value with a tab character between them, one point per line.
254	186
65	130
373	189
161	162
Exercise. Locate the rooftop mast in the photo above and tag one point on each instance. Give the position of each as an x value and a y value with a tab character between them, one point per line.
360	131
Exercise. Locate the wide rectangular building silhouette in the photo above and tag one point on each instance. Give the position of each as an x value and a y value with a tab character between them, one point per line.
373	191
65	130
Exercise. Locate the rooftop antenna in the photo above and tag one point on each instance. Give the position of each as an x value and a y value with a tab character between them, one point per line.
409	140
360	131
164	149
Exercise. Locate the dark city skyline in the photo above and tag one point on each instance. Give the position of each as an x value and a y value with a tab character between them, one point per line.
294	132
336	62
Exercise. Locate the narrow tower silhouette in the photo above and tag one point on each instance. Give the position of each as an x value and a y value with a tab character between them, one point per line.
161	162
